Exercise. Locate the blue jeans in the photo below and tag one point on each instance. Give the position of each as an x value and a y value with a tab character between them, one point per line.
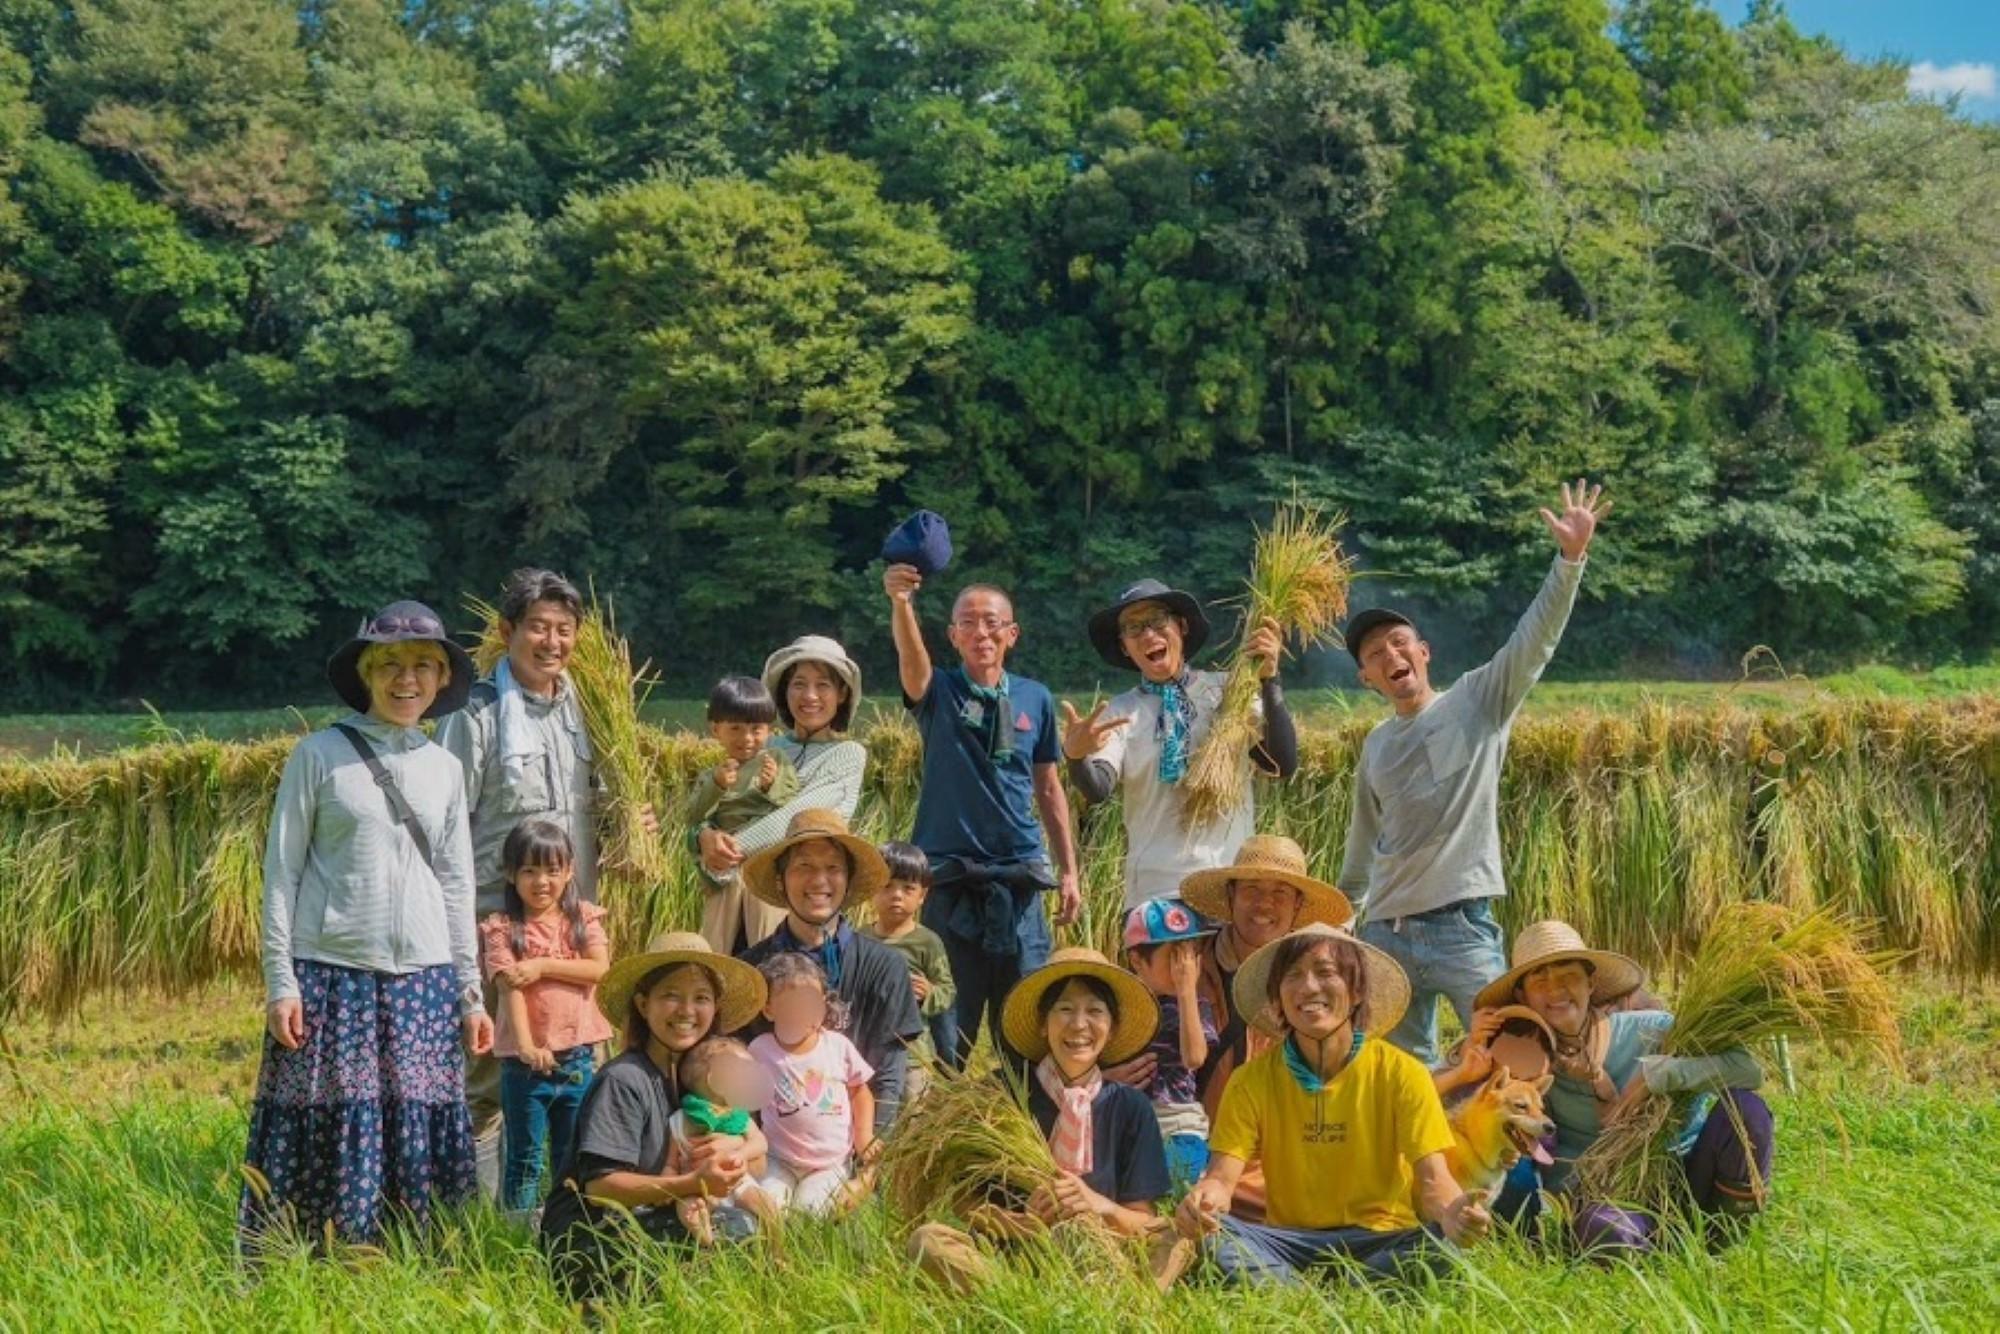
1187	1159
1451	952
1255	1253
539	1114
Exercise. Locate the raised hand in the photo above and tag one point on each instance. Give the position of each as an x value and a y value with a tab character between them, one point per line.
767	772
1084	736
901	582
1265	646
1582	507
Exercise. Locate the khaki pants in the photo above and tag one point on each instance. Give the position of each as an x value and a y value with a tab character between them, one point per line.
728	908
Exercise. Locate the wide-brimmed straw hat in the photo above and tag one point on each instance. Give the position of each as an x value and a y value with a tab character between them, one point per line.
1388	984
823	650
399	623
1268	857
1110	645
1138	1012
741	998
866	873
1525	1044
1611	975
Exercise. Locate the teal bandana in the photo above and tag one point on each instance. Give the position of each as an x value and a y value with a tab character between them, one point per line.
1308	1077
1176	719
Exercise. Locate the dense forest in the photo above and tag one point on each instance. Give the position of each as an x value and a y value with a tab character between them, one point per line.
303	306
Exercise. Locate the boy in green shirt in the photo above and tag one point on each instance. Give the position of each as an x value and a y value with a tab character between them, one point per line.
751	781
897	904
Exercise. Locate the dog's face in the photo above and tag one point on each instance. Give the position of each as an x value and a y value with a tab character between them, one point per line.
1519	1102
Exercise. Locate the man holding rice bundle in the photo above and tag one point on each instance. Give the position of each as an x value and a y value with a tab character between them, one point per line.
1423	843
527	756
1140	743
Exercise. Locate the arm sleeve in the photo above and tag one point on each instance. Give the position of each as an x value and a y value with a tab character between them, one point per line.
609	1132
460	732
835	783
1094	779
1358	857
1142	1171
1048	736
1238	1122
786	785
1501	684
702	798
1421	1127
1278	753
495	936
285	851
856	1069
1732	1069
454	873
937	966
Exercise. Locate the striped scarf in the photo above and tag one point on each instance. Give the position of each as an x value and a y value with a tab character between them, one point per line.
1071	1140
1175	721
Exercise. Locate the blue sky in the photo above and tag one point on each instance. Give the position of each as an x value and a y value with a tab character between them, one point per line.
1949	43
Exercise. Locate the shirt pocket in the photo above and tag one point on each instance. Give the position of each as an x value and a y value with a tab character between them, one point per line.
536	790
1448	752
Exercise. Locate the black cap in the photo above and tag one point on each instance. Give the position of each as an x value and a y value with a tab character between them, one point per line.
1110	645
1359	624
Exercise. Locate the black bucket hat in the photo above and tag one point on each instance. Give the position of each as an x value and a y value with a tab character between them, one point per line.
1374	618
398	623
1110	645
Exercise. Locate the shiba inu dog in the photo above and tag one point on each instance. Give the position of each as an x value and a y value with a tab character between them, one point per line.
1493	1128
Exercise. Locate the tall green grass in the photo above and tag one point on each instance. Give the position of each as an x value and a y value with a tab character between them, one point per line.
141	867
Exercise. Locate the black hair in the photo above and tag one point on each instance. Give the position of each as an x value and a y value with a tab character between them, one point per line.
789	966
525	587
842	716
637	1030
1096	986
539	843
1346	957
907	862
741	699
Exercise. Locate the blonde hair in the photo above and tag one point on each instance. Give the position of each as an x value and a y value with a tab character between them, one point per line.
371	658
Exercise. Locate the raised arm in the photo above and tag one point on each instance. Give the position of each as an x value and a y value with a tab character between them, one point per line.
1501	684
913	660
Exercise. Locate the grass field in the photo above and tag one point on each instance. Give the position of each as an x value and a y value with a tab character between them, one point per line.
34	734
118	1176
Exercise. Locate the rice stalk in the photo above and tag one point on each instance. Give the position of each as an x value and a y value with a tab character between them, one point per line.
1298	578
967	1140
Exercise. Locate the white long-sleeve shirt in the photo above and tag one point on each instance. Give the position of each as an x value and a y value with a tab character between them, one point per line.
344	882
1425	830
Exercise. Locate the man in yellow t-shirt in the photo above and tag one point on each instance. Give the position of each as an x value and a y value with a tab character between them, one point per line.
1349	1129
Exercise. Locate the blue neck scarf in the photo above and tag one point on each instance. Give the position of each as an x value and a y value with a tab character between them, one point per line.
1176	719
828	954
1308	1077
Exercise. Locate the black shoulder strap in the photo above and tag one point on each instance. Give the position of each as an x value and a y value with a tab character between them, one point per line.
399	806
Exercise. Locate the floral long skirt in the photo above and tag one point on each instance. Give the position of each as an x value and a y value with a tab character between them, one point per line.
365	1121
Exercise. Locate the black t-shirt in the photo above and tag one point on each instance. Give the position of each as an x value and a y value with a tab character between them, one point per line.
1128	1157
621	1127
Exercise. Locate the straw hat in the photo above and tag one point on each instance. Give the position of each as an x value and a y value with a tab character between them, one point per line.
828	653
1525	1044
868	874
1612	975
1388	984
1268	857
1138	1012
742	997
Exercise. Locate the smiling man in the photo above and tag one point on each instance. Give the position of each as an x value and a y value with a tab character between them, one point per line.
991	746
1423	844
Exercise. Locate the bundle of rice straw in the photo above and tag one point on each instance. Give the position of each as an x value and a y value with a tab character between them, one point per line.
966	1141
1763	972
609	692
1298	578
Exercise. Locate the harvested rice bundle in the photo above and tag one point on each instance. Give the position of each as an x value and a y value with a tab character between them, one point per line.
1763	972
609	692
1298	578
966	1141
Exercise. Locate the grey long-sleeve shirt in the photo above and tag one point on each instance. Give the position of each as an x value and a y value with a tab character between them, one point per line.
344	882
1425	830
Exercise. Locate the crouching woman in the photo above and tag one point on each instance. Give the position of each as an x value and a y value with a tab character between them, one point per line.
1068	1018
1349	1129
1607	1063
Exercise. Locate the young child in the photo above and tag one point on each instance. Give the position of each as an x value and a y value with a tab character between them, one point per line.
820	1112
545	952
896	905
751	781
722	1082
1163	947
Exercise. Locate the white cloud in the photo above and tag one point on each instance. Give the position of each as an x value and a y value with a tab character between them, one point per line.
1973	82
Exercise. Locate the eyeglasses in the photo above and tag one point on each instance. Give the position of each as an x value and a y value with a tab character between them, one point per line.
404	625
1146	625
991	625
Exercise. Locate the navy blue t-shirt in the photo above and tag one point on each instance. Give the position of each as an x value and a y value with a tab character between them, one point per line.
969	806
1128	1159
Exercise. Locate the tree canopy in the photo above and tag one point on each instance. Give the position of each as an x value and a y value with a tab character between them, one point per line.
304	306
